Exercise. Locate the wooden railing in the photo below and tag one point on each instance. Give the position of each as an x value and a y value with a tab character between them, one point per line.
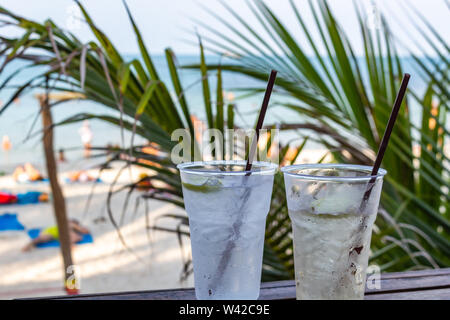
425	284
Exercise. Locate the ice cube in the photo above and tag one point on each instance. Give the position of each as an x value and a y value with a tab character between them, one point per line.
338	200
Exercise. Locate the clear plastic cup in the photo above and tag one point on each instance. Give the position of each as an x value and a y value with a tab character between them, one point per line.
332	224
227	210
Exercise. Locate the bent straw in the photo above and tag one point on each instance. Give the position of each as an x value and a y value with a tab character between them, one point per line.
386	136
262	114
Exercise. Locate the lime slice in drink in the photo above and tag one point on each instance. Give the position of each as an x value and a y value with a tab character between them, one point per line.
202	184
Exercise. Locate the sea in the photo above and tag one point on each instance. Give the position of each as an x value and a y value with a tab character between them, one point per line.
21	122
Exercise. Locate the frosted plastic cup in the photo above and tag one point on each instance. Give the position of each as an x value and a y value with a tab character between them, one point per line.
332	227
227	212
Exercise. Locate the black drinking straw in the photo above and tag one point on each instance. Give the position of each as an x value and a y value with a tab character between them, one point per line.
225	259
262	114
386	136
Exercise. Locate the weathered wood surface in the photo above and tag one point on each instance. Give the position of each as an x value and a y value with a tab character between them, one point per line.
425	284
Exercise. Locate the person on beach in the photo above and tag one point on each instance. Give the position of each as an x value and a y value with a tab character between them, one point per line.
27	173
76	232
86	138
30	197
6	144
61	156
144	182
80	176
152	149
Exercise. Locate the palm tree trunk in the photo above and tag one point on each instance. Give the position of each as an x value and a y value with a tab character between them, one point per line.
59	205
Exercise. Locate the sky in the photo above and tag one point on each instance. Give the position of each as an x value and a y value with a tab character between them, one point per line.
170	23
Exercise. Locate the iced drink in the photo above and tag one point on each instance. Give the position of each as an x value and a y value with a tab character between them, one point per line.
227	211
332	226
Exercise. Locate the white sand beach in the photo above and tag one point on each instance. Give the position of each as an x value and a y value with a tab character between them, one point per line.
105	265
